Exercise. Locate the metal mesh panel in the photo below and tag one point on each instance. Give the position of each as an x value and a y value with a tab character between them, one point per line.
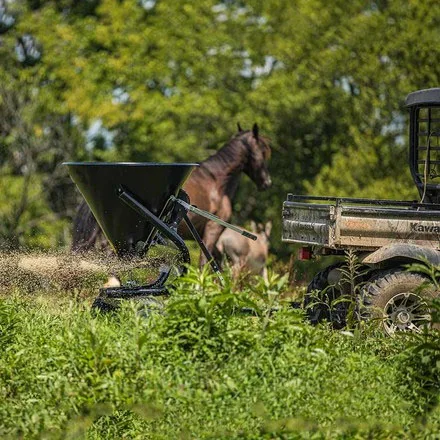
428	145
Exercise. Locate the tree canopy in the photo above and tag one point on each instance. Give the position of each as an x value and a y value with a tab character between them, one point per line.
161	80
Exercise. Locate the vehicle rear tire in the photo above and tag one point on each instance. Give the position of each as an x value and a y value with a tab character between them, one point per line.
318	306
398	300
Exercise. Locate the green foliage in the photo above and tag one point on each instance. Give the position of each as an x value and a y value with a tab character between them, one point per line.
422	360
25	216
198	369
361	172
203	318
339	302
423	366
167	81
200	319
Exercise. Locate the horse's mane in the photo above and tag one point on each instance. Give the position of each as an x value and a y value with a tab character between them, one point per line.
231	152
235	151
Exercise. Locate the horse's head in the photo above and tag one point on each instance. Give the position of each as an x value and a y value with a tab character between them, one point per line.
258	156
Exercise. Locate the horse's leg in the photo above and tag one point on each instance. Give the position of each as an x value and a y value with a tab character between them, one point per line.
213	231
211	235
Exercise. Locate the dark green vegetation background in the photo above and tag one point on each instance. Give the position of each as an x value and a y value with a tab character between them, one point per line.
168	80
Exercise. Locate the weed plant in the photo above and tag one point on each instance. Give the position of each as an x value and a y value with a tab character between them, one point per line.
214	363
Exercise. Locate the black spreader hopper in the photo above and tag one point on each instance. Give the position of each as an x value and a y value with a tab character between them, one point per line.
136	205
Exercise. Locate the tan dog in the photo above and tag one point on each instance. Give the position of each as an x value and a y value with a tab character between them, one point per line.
245	254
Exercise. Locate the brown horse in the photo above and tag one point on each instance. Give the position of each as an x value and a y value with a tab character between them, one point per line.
211	187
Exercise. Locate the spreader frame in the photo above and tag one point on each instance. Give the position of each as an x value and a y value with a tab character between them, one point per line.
163	223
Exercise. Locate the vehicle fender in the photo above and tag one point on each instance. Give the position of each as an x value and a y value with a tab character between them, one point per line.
402	253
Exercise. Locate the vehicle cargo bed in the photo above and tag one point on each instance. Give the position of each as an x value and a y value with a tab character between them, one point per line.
361	224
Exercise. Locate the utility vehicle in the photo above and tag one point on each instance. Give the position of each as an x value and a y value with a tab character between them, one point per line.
384	235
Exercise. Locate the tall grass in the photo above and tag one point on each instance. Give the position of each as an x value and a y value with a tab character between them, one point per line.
201	368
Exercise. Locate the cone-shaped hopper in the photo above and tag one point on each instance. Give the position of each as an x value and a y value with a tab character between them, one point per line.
152	183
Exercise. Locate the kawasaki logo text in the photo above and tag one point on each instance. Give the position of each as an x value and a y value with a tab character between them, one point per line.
417	227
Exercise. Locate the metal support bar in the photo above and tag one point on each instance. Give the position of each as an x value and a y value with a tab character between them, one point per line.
132	292
131	200
202	246
213	217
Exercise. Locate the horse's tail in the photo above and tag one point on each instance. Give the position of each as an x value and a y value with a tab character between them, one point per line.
85	229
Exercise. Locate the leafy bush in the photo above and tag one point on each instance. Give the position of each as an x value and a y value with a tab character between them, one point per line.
25	216
213	363
422	358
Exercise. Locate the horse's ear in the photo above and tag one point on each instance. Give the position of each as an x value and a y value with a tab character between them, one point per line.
255	130
239	127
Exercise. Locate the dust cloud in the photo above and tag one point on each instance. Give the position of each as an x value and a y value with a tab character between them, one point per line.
63	270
